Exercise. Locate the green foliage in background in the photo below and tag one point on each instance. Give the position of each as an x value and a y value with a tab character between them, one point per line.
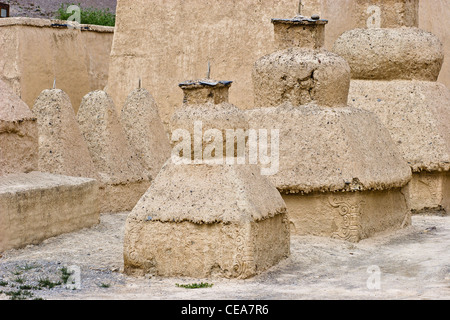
101	17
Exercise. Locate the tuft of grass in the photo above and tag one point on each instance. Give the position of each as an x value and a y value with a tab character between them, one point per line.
47	283
104	285
3	283
28	287
27	267
101	17
65	275
20	280
19	294
194	285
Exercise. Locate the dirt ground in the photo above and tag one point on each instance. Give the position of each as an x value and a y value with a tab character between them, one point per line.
413	263
47	8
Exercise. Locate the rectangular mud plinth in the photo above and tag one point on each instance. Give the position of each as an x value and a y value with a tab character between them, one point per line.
205	250
37	206
350	216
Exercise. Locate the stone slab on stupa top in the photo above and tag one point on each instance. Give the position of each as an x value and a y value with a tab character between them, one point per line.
310	35
18	134
62	149
205	91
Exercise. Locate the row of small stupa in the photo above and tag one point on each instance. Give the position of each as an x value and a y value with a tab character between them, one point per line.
123	153
345	165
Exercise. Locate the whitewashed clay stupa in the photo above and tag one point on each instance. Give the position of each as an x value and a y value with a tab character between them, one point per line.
200	219
123	180
34	205
395	67
340	174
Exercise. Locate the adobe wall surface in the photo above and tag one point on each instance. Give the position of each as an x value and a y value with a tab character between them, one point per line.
175	39
36	51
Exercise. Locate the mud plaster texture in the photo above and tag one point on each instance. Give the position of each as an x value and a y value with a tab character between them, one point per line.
324	154
311	35
18	134
388	54
325	150
145	131
37	206
416	114
62	149
413	264
123	179
322	77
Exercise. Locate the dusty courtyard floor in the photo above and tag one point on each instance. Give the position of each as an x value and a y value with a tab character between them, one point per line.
414	263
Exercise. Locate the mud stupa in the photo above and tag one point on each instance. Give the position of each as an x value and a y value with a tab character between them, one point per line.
145	131
62	149
395	67
203	217
123	180
34	205
340	174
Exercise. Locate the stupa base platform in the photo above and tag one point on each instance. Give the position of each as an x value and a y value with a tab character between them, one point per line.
349	216
219	250
37	206
430	191
207	221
